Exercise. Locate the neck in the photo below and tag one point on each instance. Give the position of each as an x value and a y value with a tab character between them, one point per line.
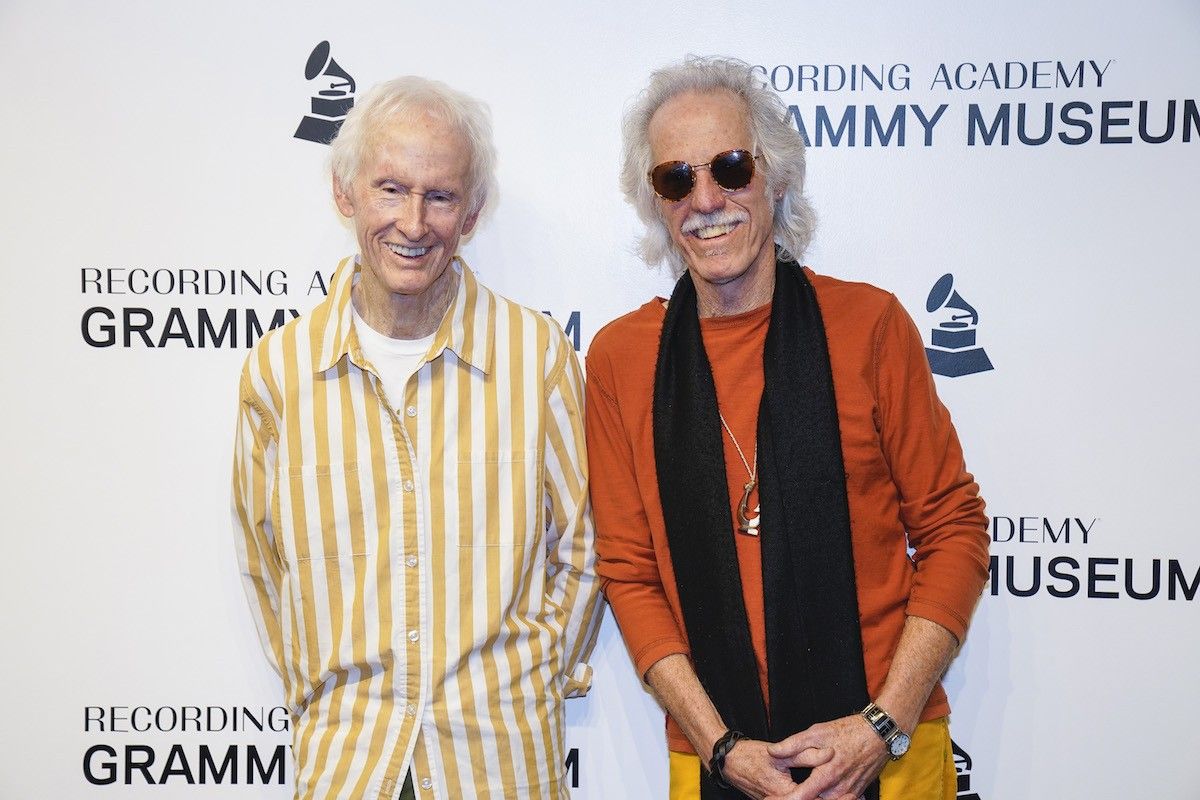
753	289
402	316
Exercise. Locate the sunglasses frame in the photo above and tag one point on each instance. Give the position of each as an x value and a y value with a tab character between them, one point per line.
692	172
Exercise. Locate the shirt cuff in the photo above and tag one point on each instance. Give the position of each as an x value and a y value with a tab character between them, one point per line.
936	612
656	651
578	682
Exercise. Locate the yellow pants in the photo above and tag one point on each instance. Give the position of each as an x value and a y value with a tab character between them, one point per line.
926	772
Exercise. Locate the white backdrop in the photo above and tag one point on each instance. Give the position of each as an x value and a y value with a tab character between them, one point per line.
158	136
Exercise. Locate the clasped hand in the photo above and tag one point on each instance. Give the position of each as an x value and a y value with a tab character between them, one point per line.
845	755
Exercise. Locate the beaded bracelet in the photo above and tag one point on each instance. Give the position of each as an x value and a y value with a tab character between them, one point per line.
716	767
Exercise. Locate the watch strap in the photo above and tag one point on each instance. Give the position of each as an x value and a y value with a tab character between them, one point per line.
888	729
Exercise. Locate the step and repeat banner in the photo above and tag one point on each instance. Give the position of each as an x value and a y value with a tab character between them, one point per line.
1023	177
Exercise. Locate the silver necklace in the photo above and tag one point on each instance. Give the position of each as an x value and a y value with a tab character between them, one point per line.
745	524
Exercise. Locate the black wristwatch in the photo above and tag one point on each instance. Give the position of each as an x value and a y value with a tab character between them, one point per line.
895	740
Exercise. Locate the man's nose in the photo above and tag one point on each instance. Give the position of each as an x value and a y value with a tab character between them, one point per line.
410	217
707	195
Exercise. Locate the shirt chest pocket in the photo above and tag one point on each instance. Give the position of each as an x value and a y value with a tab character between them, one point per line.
325	514
498	499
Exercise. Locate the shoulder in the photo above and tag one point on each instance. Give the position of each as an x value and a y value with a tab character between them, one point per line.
302	338
264	370
629	333
862	323
522	334
286	350
267	354
854	311
623	353
519	324
850	300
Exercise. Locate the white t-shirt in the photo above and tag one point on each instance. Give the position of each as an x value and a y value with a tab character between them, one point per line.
395	360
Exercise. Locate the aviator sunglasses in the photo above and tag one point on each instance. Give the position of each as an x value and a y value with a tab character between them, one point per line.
732	170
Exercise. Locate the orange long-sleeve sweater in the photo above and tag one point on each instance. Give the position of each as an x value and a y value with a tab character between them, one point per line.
906	482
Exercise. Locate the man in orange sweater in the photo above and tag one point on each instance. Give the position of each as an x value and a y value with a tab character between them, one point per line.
765	448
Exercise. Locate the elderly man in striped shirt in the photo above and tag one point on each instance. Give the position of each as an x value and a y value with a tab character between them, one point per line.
410	488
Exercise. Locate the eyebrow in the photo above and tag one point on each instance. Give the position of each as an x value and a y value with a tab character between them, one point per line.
381	181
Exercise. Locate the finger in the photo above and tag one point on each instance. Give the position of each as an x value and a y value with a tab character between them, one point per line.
808	757
791	745
795	794
834	794
820	784
839	793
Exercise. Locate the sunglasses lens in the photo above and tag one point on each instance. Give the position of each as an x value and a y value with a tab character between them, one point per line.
734	169
673	179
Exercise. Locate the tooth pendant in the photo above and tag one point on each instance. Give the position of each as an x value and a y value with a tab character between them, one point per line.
745	524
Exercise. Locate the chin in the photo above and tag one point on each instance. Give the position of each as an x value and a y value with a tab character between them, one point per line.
720	270
411	285
403	279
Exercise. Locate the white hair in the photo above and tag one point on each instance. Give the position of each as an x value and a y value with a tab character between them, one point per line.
410	95
779	143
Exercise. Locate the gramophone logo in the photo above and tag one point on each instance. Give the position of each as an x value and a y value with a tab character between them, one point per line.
962	770
954	352
332	101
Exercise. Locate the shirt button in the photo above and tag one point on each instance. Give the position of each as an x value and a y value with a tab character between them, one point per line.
411	561
414	636
408	486
426	783
411	411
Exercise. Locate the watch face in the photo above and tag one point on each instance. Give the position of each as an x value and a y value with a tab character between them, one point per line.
900	745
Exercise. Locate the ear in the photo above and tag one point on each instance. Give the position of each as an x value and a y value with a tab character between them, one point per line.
341	196
469	223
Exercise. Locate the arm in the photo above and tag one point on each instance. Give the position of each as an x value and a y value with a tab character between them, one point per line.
942	513
628	563
571	586
748	766
253	482
922	657
940	506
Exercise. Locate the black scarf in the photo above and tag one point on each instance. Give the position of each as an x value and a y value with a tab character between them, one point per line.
814	642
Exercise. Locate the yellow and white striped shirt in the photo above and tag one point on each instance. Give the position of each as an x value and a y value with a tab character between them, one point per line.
421	569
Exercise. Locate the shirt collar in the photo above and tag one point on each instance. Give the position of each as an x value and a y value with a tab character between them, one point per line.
467	329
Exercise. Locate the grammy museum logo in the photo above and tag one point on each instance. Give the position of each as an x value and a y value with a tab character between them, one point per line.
332	99
953	350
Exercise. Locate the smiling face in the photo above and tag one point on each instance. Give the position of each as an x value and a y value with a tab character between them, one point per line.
724	237
409	206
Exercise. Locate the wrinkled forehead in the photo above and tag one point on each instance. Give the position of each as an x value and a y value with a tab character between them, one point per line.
422	141
693	126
